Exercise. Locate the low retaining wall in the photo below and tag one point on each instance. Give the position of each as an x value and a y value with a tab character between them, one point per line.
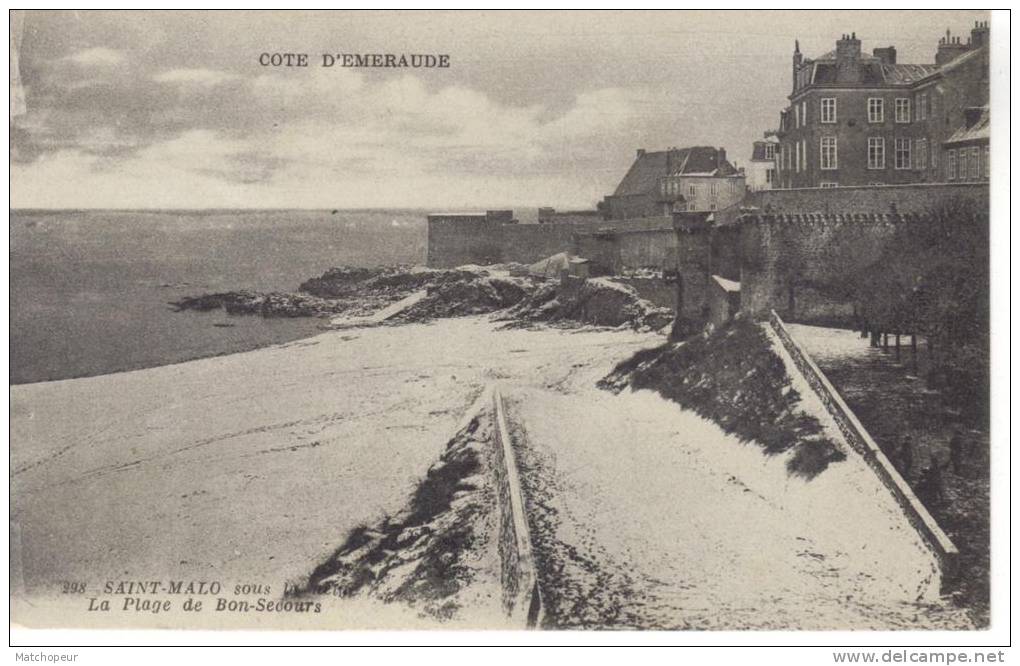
863	444
522	598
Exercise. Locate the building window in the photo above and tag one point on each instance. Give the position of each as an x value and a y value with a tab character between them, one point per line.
876	110
770	176
951	165
975	163
922	107
903	109
828	110
827	184
988	167
828	153
796	116
796	159
876	152
803	112
961	158
770	151
902	156
713	190
934	156
922	153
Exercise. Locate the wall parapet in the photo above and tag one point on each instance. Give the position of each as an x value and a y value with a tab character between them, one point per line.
455	240
911	197
522	598
861	441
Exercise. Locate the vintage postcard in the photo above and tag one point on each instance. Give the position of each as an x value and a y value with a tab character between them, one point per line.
501	320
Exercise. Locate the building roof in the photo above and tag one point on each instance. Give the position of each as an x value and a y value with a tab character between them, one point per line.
758	153
904	74
979	131
961	59
644	174
874	72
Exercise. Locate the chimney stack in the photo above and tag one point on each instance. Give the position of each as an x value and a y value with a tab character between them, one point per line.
887	55
848	59
949	49
979	34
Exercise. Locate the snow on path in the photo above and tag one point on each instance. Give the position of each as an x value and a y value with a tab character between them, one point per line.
697	530
391	310
832	344
251	467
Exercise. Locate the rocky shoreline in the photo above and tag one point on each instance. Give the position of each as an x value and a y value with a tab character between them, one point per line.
468	290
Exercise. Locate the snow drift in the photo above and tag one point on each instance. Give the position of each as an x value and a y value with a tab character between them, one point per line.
597	301
734	377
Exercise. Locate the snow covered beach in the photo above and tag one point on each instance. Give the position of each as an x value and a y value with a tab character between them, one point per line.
253	467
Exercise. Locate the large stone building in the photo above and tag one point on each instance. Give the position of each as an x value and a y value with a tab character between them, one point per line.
857	119
678	179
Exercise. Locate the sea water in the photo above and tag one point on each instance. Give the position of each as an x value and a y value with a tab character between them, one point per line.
90	290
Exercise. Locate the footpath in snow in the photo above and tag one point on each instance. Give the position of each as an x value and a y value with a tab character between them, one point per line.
251	468
647	515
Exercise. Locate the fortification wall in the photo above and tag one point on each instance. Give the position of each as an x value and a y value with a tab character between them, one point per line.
603	251
569	216
915	198
801	265
653	289
452	241
528	243
694	265
457	240
647	249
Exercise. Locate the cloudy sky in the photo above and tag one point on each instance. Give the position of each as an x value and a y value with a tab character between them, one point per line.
173	110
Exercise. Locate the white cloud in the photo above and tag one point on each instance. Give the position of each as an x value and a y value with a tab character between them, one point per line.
343	114
98	56
198	77
345	139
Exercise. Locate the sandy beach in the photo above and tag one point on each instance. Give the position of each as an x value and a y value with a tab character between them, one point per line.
251	468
